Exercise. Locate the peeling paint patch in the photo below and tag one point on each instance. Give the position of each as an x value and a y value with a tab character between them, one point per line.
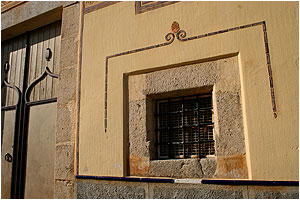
232	167
138	166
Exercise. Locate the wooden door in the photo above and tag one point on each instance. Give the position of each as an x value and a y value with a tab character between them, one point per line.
13	54
28	119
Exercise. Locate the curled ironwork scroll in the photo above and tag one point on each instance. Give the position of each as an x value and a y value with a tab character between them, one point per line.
181	36
36	81
5	83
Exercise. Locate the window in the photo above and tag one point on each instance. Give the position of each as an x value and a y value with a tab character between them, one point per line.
184	127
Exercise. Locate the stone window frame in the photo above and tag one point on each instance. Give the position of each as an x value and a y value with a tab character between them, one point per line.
222	77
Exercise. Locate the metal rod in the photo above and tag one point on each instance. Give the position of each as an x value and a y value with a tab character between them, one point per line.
7	108
22	146
156	128
132	179
183	128
186	126
40	102
187	96
15	162
197	105
169	128
189	110
206	141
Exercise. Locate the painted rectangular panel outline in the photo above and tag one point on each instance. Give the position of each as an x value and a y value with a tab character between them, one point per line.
144	6
181	36
93	7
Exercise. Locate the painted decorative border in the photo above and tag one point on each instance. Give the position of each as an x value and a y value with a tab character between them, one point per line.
144	6
90	6
181	36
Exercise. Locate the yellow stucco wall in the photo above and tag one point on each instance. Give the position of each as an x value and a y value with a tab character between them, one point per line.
272	145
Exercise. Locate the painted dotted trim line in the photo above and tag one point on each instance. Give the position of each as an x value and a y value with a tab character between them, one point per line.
269	69
180	35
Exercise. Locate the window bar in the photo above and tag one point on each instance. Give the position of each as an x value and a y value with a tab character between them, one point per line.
204	94
183	127
198	121
169	127
156	128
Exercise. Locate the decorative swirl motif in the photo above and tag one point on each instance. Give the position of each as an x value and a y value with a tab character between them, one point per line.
181	35
170	38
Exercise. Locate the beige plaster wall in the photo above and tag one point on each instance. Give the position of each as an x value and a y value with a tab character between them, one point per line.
271	144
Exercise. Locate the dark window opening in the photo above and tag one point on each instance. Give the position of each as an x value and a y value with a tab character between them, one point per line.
184	127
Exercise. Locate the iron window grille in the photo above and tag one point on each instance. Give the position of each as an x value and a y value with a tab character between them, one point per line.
184	127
